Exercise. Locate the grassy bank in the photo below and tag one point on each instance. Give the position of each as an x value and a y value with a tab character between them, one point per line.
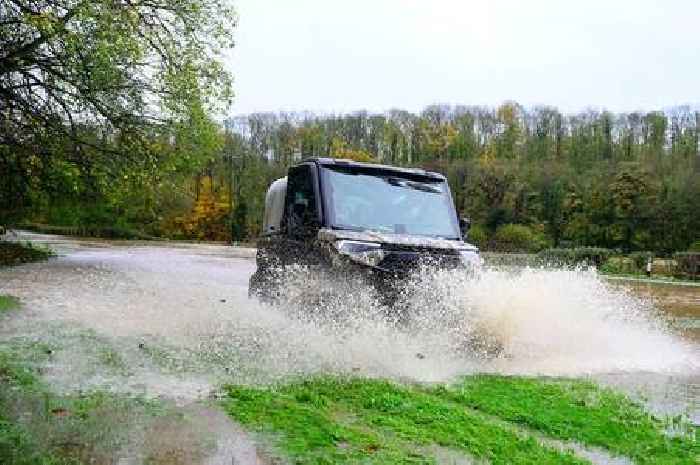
489	418
15	253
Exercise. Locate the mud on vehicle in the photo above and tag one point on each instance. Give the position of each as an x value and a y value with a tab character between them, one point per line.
348	219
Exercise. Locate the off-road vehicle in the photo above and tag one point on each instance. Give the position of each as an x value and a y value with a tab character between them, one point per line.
358	219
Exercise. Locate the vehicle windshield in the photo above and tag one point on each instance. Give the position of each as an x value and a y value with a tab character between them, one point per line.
390	203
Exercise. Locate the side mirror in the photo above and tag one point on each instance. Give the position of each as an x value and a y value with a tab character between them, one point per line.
464	225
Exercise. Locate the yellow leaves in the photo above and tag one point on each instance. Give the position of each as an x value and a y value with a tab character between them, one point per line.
510	129
340	149
34	161
438	137
207	218
487	156
507	113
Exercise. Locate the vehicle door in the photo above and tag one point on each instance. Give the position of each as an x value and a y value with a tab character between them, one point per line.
302	216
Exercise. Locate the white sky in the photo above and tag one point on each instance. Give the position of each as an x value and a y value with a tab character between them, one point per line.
341	56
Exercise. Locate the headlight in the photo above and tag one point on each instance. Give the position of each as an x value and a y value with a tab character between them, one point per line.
470	258
366	253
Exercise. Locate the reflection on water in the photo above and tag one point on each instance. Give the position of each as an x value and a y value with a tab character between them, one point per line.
681	304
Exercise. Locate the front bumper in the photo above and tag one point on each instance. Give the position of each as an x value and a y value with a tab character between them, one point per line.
392	276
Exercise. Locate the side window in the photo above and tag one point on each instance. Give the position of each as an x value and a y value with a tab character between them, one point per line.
301	207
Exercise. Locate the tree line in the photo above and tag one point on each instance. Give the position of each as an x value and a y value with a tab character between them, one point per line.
527	177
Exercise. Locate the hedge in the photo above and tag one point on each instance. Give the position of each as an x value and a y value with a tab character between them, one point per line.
518	238
687	264
576	256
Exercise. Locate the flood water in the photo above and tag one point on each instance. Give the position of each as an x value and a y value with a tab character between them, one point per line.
667	392
680	303
173	320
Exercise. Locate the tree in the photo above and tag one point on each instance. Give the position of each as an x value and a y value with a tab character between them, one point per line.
122	63
436	138
552	199
510	131
107	74
630	194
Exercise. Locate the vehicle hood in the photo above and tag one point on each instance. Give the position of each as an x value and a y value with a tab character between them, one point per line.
332	235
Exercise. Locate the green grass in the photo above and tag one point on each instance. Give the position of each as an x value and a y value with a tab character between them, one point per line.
580	411
491	418
7	303
17	445
41	426
367	421
112	359
62	341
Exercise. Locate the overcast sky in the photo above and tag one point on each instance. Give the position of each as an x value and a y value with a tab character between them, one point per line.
346	55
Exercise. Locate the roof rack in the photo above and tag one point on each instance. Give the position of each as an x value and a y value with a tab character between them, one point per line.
372	166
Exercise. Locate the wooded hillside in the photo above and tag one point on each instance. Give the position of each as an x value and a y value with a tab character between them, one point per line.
628	181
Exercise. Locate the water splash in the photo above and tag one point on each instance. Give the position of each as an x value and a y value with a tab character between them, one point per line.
535	321
183	315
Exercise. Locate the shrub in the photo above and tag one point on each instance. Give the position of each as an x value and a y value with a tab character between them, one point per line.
15	253
640	259
477	236
518	238
695	246
687	264
619	265
576	256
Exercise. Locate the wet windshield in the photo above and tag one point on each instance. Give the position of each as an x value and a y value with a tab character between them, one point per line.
390	204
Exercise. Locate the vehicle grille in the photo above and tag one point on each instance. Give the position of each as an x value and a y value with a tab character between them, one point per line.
404	261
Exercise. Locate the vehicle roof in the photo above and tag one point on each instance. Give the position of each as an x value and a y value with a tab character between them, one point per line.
373	166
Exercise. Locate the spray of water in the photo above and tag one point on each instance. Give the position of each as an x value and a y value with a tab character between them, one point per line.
181	323
534	321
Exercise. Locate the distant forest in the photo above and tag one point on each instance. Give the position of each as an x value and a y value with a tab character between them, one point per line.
627	181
